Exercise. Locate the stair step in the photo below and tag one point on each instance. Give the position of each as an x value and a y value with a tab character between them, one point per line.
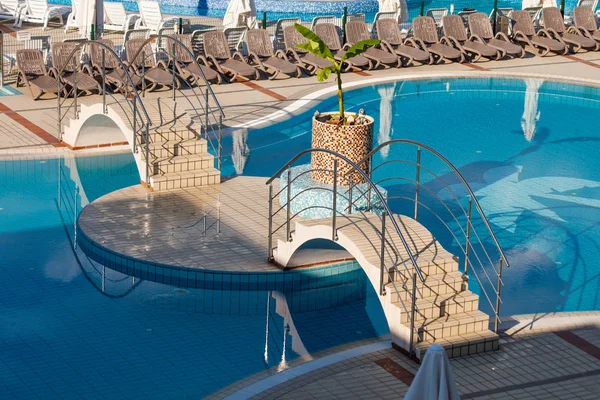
440	284
184	179
451	325
173	134
462	345
176	147
165	165
434	307
433	267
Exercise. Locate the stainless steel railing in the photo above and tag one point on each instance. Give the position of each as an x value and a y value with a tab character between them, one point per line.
391	257
478	262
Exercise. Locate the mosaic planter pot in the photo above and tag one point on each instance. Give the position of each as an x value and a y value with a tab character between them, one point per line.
352	141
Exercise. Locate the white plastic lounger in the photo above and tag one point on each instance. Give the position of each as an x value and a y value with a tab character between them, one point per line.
38	12
151	16
116	19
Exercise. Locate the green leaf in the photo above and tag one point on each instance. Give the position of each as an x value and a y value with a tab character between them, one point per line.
324	73
359	48
315	45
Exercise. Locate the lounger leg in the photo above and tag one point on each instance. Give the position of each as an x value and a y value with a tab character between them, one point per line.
298	72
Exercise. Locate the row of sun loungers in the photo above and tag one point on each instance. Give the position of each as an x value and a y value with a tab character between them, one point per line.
218	61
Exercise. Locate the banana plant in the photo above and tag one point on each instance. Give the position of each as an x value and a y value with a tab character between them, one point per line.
316	46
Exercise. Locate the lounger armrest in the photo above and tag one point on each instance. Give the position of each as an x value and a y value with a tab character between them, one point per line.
419	42
346	46
281	54
521	37
452	42
130	18
215	63
552	34
162	63
294	54
53	72
239	56
253	58
412	43
388	47
87	69
583	32
202	60
477	38
502	36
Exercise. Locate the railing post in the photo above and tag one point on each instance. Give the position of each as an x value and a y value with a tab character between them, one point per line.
382	255
104	81
147	141
135	133
350	184
412	311
498	295
59	197
417	180
468	244
335	188
2	54
59	119
174	71
370	177
206	115
143	73
219	137
74	87
270	236
288	205
75	218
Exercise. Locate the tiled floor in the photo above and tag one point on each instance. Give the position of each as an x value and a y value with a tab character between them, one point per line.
531	364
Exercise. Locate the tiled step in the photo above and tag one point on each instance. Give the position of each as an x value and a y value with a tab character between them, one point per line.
178	134
184	179
451	325
176	148
439	284
434	307
439	266
161	166
462	345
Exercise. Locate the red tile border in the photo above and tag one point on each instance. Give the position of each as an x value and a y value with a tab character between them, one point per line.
396	370
263	90
27	124
474	66
580	343
573	58
94	146
362	73
8	29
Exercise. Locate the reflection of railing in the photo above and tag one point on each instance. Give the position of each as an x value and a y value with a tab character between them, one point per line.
472	246
386	245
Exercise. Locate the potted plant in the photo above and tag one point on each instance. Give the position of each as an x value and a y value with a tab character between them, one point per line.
349	134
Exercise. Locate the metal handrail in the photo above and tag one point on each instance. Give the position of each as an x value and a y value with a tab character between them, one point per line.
458	174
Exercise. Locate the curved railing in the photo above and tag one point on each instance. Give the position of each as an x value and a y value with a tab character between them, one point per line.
387	247
469	239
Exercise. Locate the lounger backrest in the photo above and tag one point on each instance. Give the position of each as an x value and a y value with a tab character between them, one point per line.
584	18
31	62
356	17
9	5
110	62
479	24
454	26
328	34
553	19
215	45
114	13
523	22
151	14
388	30
382	16
437	14
259	43
139	52
37	8
292	38
424	28
181	53
357	31
283	23
588	3
327	19
235	37
63	56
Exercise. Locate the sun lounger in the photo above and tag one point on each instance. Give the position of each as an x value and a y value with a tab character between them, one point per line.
151	16
437	14
66	67
218	54
11	9
585	23
357	31
554	24
309	61
187	67
113	69
328	33
32	73
524	32
140	58
116	19
261	54
409	51
38	12
279	38
425	33
454	31
481	29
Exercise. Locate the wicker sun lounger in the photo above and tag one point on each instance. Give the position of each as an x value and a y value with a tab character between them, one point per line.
481	29
585	23
329	34
524	33
32	73
186	67
357	31
409	51
261	54
71	75
140	58
425	33
554	24
113	70
217	52
454	31
309	61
